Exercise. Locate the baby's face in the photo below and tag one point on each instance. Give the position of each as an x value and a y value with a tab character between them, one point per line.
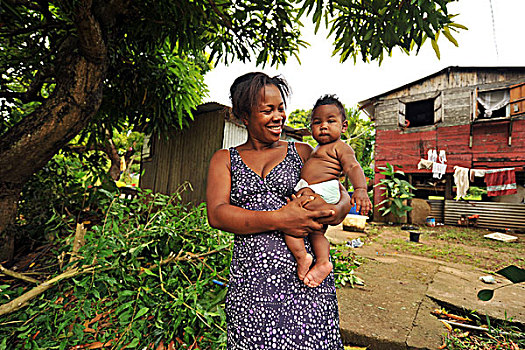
327	124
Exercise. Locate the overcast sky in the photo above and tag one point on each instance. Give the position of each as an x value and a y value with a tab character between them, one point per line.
482	45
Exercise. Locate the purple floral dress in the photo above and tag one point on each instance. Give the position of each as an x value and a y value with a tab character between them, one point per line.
267	306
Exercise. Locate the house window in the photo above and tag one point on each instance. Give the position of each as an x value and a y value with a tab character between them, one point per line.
422	112
493	104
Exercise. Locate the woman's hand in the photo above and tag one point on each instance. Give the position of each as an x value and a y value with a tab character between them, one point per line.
296	220
340	209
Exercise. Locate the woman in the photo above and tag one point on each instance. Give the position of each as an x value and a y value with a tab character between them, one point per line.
267	306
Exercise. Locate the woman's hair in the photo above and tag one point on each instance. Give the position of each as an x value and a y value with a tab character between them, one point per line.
244	92
330	100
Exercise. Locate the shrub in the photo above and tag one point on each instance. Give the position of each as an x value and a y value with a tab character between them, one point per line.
144	277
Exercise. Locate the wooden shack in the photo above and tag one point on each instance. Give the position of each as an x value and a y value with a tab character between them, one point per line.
476	115
184	155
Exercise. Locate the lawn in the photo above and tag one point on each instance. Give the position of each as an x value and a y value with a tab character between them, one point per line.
453	244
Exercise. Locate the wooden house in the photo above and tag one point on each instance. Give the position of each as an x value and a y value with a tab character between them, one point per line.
477	116
184	155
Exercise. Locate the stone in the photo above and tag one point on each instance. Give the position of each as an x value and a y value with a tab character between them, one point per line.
421	209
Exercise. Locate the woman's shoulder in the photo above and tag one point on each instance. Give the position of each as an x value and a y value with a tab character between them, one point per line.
222	155
303	149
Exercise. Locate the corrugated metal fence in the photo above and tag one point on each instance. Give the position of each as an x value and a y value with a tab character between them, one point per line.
437	209
491	214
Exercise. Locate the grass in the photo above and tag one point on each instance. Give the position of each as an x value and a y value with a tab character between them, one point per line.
501	335
453	244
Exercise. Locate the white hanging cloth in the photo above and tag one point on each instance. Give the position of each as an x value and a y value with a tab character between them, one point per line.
493	100
461	179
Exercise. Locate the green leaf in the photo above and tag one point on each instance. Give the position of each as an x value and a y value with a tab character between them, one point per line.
513	274
134	343
446	33
142	312
436	48
457	25
485	294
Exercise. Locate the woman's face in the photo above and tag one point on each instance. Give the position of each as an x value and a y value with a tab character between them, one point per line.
266	121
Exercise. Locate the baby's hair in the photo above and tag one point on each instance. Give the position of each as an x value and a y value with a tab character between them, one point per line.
244	92
330	100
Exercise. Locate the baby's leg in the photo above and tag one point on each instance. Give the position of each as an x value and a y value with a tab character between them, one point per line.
304	260
323	266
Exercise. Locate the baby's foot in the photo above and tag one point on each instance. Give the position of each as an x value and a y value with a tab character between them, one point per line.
303	264
318	273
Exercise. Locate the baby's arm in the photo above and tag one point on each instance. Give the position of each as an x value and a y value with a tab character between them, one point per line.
355	173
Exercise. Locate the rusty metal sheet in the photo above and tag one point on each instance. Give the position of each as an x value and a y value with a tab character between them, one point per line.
492	215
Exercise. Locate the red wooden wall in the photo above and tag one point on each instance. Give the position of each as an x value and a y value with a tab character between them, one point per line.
489	149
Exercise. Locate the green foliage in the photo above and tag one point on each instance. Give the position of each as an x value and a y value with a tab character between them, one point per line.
61	192
360	134
154	261
396	190
371	28
345	263
504	335
158	51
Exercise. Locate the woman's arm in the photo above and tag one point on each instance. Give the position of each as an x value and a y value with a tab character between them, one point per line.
293	219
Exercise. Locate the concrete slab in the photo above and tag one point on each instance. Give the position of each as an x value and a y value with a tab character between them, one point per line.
384	320
393	310
336	234
459	288
427	330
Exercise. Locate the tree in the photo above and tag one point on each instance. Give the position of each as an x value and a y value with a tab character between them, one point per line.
360	133
71	65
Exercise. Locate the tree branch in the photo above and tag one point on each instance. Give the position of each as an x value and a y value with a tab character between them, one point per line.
227	22
18	275
22	96
29	4
20	31
22	300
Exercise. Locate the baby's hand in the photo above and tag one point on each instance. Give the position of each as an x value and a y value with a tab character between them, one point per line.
305	191
361	200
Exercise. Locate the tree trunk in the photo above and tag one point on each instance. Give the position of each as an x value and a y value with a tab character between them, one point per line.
112	152
28	146
8	203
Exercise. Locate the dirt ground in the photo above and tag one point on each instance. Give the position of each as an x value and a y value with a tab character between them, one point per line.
452	244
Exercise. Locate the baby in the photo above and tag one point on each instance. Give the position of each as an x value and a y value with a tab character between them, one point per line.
320	174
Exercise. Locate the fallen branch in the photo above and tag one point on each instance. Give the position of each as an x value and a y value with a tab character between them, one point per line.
18	275
22	300
78	242
480	329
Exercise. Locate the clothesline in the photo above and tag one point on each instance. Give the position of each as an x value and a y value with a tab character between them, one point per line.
499	182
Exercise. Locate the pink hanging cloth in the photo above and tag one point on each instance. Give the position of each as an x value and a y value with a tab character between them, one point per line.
501	182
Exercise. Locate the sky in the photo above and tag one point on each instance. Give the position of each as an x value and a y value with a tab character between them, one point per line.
483	44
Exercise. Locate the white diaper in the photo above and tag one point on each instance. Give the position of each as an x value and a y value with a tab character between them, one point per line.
328	190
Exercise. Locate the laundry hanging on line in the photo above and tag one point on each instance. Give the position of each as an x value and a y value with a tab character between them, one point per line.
438	170
461	176
476	173
501	182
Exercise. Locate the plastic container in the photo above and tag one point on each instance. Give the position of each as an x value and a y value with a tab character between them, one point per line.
354	222
353	210
414	236
431	221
